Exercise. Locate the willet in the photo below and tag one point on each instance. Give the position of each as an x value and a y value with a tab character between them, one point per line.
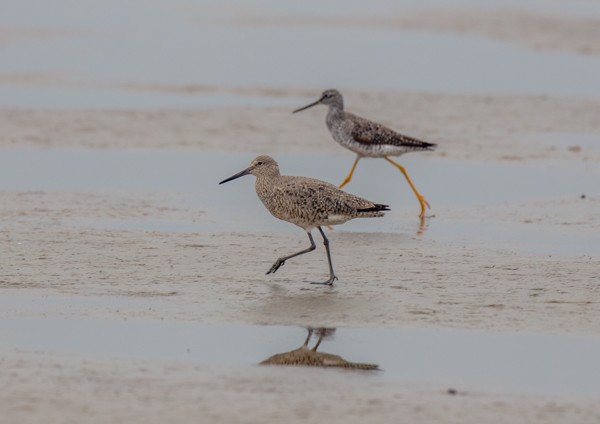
367	138
305	202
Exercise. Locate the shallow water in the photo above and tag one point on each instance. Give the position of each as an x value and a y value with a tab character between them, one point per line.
519	363
459	193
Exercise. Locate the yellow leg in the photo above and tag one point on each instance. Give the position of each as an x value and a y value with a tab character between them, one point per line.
422	200
349	177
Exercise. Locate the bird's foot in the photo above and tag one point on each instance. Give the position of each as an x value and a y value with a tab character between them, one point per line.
278	264
423	203
329	282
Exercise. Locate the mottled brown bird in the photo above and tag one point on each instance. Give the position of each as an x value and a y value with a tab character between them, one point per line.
307	203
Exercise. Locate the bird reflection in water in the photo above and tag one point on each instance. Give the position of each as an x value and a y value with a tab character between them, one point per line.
311	358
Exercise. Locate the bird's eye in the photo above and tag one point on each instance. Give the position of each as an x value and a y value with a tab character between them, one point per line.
259	163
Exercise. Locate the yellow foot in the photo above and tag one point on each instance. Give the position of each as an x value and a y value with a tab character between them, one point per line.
423	203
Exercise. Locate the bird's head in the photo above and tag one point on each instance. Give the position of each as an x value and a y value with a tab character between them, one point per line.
261	166
329	97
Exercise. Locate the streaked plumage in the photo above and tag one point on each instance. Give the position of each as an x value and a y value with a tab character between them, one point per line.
367	138
309	203
373	139
305	202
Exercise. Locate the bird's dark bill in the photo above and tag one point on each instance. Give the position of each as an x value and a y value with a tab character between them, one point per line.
307	106
238	175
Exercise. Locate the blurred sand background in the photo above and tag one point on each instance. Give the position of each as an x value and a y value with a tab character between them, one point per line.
87	94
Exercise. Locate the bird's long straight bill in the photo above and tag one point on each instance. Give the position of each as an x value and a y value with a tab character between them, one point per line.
238	175
307	106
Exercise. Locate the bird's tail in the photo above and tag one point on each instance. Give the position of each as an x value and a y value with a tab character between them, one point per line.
375	208
417	145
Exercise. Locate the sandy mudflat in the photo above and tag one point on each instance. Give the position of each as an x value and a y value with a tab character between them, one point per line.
72	389
128	391
466	127
401	279
51	245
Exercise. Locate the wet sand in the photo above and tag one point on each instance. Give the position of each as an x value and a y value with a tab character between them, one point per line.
55	249
401	280
51	246
137	391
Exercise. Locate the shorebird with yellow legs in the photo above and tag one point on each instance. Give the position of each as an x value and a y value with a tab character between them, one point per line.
368	138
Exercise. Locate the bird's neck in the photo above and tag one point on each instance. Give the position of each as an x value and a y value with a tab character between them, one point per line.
264	188
335	112
266	180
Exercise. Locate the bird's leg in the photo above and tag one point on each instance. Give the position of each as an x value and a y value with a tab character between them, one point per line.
279	262
314	349
421	199
349	177
332	276
346	181
309	335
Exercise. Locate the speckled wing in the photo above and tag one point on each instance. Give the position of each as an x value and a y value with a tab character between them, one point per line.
372	133
309	199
